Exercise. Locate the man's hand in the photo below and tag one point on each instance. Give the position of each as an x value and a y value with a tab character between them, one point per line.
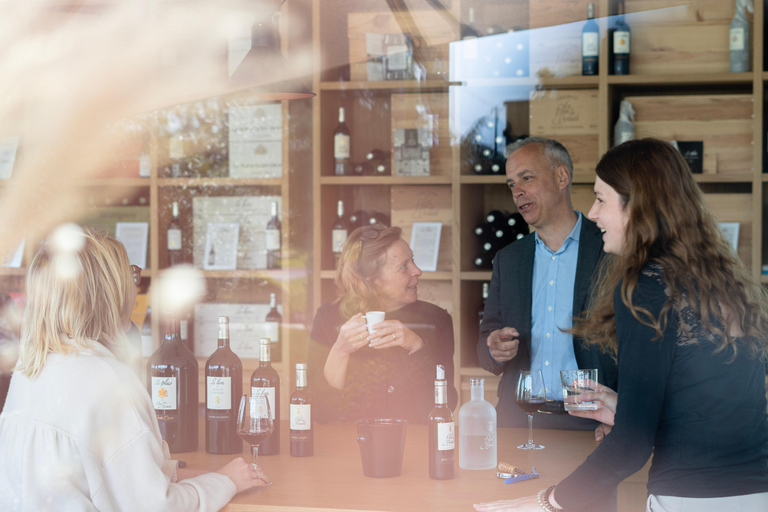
503	344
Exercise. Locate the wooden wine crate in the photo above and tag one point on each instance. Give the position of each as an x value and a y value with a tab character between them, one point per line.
571	117
435	30
555	36
439	293
723	122
735	208
690	37
420	110
418	203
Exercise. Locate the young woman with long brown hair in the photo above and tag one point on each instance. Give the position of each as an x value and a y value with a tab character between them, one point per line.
688	326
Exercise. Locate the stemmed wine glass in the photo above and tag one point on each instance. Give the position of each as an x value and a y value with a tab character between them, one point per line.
531	395
254	423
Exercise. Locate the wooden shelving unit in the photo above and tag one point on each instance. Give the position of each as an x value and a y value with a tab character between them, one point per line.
737	194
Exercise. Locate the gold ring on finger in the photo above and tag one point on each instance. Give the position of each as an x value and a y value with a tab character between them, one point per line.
394	336
361	337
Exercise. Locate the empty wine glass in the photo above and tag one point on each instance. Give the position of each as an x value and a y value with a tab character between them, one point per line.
254	423
531	395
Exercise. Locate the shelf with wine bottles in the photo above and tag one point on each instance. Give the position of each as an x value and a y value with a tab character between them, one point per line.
385	180
266	274
115	182
476	275
544	82
695	79
220	182
389	85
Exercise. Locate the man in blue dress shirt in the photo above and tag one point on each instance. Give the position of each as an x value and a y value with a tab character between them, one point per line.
539	284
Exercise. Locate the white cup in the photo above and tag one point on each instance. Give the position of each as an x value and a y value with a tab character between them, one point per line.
372	318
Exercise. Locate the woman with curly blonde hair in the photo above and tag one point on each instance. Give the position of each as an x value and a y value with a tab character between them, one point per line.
688	326
391	373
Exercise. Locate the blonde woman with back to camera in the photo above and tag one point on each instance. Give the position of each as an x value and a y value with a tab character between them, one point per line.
688	326
78	431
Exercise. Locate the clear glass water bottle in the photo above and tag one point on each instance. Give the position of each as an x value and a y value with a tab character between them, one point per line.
477	430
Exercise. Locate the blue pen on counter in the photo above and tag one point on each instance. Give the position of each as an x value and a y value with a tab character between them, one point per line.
512	478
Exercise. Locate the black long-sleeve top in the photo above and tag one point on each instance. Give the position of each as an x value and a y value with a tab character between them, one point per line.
383	383
703	417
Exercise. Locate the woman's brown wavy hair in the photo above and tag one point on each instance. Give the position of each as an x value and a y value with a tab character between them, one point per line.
671	224
360	262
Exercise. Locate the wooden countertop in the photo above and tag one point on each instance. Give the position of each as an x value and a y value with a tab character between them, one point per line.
332	479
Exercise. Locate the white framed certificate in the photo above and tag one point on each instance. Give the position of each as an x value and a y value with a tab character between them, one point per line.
8	148
221	246
13	259
731	233
425	244
134	236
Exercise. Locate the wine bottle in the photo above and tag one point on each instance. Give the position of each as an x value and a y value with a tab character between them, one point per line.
272	327
274	227
379	162
145	157
339	233
174	236
481	311
442	439
172	384
223	388
147	342
302	432
341	146
497	219
266	381
739	37
590	43
483	261
477	430
620	44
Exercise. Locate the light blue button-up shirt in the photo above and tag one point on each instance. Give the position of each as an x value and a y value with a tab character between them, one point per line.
552	309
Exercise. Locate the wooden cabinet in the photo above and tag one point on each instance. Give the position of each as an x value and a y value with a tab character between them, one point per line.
680	85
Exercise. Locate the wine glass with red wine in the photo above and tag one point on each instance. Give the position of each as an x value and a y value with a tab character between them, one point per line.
531	396
254	422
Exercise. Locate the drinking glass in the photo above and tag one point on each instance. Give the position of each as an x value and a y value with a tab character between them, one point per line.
531	395
254	422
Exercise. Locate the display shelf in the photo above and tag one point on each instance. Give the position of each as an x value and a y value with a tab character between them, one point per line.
385	180
5	271
393	85
271	274
115	182
220	182
553	82
476	275
682	79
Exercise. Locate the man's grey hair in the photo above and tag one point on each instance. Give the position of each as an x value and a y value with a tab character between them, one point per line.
553	151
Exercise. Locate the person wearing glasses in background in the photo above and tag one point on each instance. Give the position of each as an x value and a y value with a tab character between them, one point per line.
79	431
391	373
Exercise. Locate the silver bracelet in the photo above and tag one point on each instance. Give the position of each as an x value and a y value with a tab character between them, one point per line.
543	499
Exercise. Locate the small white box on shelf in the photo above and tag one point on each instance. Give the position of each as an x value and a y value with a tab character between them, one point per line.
411	154
256	141
246	327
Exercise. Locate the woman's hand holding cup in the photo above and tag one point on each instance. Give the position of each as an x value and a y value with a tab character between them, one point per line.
393	333
353	335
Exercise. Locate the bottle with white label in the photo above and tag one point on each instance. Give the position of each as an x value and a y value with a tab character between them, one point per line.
739	37
477	430
172	384
273	232
272	327
590	43
442	441
174	237
341	146
302	432
339	234
266	381
223	389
